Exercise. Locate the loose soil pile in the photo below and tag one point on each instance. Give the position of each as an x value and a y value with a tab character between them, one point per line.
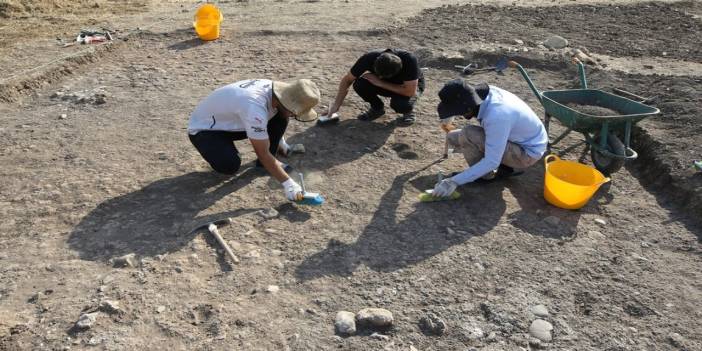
593	110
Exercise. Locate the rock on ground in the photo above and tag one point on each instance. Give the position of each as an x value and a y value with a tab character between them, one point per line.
556	42
345	323
86	321
431	324
539	311
541	330
376	317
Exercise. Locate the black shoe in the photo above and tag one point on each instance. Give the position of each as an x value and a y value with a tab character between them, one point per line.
407	119
371	114
503	172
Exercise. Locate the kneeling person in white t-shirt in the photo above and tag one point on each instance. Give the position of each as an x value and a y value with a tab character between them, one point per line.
257	109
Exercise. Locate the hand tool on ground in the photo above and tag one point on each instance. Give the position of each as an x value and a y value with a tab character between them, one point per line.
473	67
427	196
212	227
313	199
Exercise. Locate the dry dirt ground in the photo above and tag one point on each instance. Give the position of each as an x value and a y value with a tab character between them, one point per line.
97	165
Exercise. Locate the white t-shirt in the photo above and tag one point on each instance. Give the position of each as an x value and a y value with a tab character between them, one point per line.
246	105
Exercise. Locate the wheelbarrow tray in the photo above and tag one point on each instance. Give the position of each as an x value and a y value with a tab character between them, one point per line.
555	101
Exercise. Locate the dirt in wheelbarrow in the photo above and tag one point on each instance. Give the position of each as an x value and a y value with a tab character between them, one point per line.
593	110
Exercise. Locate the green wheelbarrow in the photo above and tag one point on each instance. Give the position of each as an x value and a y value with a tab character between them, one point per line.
601	132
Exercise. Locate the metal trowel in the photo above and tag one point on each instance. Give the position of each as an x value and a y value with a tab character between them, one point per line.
306	198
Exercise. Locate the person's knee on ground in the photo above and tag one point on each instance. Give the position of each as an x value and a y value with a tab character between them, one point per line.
226	166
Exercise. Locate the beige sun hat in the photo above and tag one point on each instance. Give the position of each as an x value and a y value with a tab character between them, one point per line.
299	97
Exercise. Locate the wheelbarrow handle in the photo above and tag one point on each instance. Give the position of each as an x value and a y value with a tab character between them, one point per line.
581	71
521	70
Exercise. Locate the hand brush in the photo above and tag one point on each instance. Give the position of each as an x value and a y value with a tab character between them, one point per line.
312	199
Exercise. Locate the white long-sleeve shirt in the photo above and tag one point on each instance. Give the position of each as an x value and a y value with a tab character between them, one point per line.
505	118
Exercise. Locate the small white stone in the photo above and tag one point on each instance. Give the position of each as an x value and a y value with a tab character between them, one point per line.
539	311
380	337
63	116
272	289
600	221
86	320
160	309
270	231
345	323
518	41
541	330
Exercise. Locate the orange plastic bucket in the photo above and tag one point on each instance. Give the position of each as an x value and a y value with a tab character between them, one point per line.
207	21
569	184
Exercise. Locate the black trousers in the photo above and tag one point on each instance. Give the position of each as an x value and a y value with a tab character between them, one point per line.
218	149
399	103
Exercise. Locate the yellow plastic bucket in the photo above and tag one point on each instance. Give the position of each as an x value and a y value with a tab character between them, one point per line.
569	184
207	21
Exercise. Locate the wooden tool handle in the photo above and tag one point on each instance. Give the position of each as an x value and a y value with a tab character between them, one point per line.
213	230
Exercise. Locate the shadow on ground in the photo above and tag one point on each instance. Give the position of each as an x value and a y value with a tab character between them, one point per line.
340	143
390	242
159	218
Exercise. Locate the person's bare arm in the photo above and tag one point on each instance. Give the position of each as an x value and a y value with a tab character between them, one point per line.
407	88
344	86
269	162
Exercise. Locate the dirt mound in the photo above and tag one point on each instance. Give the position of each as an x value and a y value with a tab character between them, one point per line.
624	31
26	8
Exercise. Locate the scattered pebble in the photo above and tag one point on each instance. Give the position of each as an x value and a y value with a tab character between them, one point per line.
380	337
595	235
270	231
450	231
128	260
272	289
556	42
86	320
600	221
676	340
431	324
541	330
160	309
376	317
552	220
109	306
345	323
269	213
539	311
63	116
518	41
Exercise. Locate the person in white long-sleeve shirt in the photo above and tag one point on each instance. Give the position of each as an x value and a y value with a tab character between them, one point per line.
510	134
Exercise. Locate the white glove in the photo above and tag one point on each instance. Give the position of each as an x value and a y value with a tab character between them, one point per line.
444	188
293	191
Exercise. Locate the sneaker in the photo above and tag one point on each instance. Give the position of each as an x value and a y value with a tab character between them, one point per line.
371	114
502	172
407	119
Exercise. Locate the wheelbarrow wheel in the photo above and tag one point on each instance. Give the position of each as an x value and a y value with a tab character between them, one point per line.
605	164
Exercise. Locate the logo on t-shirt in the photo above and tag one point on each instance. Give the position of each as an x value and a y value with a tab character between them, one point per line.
258	129
248	83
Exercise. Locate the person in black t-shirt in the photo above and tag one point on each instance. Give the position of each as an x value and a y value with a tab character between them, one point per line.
392	73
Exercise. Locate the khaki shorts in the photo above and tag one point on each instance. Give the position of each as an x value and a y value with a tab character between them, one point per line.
470	141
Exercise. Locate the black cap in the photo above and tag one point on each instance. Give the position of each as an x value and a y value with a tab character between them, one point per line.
458	97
